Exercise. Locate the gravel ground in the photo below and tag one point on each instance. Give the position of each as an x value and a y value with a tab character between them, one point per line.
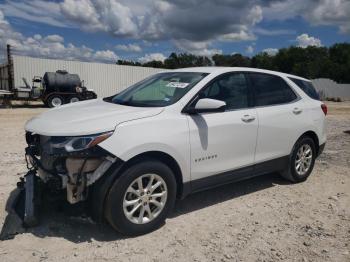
263	219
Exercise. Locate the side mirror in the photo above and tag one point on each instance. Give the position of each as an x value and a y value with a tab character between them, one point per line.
207	105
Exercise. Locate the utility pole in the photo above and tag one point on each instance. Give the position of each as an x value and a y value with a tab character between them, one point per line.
9	68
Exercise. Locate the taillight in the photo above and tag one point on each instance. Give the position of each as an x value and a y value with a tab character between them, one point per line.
324	109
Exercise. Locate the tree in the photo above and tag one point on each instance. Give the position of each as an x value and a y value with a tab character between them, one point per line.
186	60
130	63
231	60
155	64
311	62
263	61
339	55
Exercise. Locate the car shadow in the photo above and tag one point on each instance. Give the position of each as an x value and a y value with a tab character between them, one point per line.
55	223
219	194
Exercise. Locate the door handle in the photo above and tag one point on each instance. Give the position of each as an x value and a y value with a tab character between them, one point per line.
248	118
297	111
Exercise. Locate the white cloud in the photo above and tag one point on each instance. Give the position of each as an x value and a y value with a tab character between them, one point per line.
243	35
81	12
270	51
152	57
317	12
37	37
201	48
275	32
331	12
195	20
148	43
51	46
281	10
38	11
249	49
202	20
95	15
54	38
191	26
304	40
255	15
106	56
129	48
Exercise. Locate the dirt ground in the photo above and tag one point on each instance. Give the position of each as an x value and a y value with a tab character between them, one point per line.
263	219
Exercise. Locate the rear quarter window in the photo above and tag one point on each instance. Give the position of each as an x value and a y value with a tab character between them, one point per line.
270	90
307	87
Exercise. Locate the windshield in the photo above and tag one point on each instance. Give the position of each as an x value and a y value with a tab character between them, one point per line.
158	90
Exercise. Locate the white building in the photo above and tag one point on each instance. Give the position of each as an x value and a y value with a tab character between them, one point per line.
331	89
104	79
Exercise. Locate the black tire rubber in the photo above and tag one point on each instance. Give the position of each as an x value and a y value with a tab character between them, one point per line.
70	98
290	172
114	202
50	98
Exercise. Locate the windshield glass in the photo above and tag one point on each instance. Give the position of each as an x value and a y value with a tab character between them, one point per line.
158	90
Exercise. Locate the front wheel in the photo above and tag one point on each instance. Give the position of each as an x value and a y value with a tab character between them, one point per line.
141	198
302	160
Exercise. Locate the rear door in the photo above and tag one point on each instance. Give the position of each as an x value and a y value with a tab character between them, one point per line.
224	141
281	116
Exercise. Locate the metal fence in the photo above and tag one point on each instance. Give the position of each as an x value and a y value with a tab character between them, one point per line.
105	79
328	88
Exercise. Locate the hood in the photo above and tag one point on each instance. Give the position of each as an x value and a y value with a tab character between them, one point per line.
86	118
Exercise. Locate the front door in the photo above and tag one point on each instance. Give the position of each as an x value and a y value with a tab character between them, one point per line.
225	141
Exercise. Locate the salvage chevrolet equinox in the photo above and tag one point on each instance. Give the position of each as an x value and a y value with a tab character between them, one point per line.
129	156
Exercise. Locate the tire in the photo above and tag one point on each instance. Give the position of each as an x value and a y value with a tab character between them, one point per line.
73	99
124	190
90	95
294	171
55	101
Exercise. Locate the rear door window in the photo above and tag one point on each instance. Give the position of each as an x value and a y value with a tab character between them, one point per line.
307	87
271	90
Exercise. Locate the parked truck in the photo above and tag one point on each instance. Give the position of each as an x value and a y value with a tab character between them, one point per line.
55	89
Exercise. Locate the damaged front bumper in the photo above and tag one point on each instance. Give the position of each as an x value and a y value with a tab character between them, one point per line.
66	175
26	199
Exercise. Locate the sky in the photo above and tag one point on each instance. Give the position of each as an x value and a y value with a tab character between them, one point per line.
144	30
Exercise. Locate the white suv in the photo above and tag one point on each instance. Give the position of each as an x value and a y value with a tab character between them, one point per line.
131	155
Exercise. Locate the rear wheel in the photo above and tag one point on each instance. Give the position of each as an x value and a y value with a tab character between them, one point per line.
301	161
74	99
141	198
55	101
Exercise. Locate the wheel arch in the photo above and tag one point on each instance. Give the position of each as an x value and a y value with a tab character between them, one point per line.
102	187
314	137
164	158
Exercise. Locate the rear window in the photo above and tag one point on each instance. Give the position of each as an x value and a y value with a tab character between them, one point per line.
307	87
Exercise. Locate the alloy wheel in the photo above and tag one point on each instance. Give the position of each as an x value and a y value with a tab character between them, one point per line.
303	159
145	198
